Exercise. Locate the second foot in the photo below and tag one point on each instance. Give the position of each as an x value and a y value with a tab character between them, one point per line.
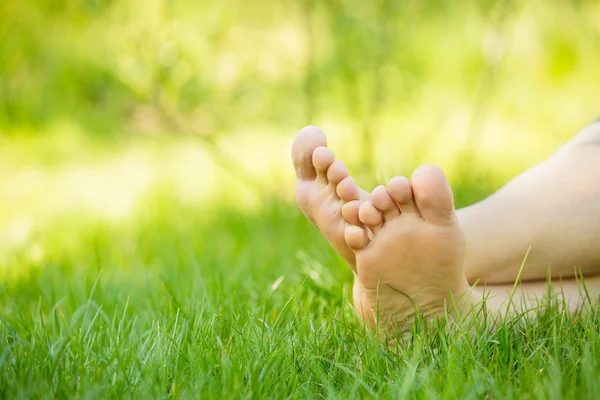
413	260
324	190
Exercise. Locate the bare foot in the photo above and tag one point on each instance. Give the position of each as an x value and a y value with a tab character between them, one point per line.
414	260
323	186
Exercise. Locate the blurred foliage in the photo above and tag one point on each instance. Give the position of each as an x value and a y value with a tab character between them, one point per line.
202	67
96	91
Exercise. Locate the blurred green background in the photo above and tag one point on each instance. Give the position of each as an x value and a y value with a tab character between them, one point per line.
106	104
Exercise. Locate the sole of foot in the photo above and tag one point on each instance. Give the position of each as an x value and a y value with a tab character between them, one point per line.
324	190
412	260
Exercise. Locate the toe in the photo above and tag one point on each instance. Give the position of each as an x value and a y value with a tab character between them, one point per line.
400	190
356	237
370	216
433	195
350	212
336	172
347	189
322	159
303	147
383	202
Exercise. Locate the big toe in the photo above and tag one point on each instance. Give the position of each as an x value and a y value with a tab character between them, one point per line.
306	141
433	195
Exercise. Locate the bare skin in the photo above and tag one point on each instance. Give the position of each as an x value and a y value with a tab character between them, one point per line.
556	207
323	187
414	243
415	258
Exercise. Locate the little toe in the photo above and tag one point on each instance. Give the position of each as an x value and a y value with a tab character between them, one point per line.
383	202
350	212
347	189
303	147
400	190
322	159
336	172
433	195
356	237
370	216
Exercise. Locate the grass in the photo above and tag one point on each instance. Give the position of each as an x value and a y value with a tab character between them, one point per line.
184	302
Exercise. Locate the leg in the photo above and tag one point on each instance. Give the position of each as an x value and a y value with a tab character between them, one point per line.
408	249
553	207
554	202
529	294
